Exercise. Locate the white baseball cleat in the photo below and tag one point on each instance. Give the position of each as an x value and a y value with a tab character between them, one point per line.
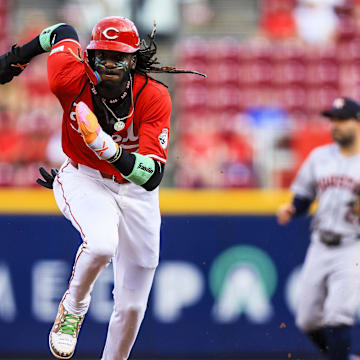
64	333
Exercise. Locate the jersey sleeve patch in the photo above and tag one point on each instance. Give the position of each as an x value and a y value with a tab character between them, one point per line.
164	138
57	49
67	46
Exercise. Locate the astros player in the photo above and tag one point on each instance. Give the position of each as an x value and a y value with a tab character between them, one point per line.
115	132
330	282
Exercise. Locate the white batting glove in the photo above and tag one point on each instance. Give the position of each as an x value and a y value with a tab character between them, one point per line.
94	136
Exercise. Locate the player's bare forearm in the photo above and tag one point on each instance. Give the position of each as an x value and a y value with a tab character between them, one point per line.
14	62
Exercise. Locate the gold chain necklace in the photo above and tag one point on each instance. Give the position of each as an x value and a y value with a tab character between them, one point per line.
120	124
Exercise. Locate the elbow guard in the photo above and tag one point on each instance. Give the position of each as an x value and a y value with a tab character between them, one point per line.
55	33
46	37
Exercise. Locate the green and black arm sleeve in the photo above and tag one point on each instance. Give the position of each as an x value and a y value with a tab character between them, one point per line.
47	39
14	62
139	169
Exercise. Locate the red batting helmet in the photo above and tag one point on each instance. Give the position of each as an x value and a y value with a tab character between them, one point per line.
115	33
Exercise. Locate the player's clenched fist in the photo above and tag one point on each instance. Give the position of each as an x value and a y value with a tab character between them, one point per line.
285	214
11	64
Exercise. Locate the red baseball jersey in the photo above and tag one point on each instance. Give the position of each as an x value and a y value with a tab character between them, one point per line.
146	131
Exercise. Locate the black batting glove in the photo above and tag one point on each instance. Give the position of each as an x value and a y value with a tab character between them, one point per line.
11	64
49	178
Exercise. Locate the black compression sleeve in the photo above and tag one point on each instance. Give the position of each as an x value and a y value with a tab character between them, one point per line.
301	205
125	165
33	47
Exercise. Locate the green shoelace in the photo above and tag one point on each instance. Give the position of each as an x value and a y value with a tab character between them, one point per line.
70	324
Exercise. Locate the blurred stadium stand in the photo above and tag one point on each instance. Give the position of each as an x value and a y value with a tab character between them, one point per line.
256	116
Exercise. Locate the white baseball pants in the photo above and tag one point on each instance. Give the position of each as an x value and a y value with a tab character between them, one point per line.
118	222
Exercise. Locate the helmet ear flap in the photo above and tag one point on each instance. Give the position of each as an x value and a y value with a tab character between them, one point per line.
92	74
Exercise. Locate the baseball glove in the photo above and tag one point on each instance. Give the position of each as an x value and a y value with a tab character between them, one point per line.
49	178
11	64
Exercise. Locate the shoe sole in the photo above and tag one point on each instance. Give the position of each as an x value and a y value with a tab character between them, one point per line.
56	355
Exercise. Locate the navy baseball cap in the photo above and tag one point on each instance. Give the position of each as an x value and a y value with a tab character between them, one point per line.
343	108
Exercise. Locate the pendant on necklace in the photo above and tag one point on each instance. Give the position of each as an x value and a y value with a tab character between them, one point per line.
119	125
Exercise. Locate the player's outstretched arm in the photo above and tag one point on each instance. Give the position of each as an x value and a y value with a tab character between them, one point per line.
14	62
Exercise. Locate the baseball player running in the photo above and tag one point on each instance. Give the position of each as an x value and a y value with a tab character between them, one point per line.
115	131
330	282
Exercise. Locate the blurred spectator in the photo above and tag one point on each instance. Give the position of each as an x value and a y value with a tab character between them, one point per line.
22	151
277	22
219	147
202	146
11	141
317	21
29	114
237	165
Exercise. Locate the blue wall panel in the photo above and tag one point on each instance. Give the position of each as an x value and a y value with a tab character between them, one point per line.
225	286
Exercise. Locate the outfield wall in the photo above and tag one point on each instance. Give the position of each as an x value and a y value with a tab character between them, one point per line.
225	286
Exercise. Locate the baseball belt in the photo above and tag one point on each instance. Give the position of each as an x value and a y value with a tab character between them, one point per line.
330	238
104	175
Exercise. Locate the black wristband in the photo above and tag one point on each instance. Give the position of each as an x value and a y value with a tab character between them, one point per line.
126	162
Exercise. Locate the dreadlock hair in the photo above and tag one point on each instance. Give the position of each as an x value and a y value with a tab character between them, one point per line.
146	63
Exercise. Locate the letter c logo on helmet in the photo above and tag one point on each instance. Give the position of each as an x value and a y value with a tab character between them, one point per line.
105	33
115	33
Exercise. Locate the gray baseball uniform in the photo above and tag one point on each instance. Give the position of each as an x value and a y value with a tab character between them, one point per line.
330	281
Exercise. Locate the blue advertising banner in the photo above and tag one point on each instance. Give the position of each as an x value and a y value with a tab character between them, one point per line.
225	286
